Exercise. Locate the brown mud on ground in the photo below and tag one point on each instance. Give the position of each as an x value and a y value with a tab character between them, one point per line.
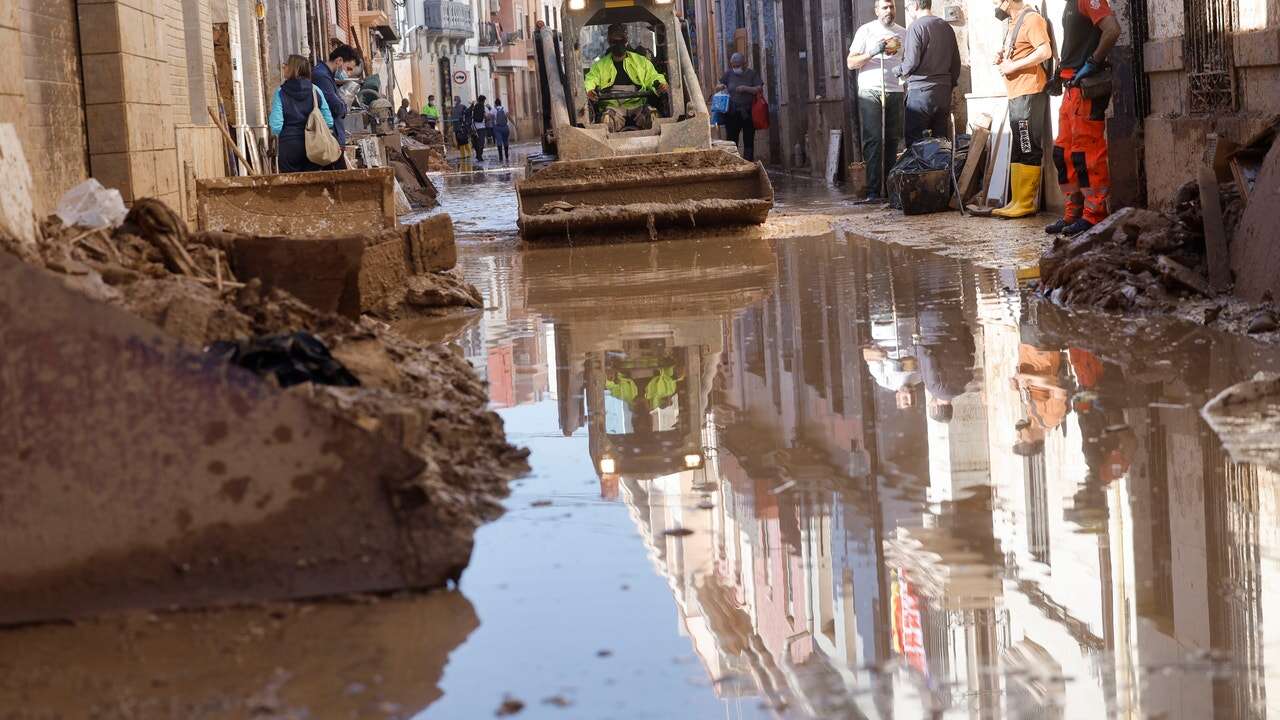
359	658
655	169
425	399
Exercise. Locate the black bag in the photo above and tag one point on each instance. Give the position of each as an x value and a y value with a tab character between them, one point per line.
920	182
291	359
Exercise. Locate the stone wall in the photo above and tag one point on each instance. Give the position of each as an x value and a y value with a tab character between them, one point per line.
50	119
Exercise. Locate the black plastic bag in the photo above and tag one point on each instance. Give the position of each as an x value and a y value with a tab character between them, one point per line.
292	359
918	171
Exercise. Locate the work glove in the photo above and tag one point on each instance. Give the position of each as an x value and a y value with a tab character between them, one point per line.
1090	68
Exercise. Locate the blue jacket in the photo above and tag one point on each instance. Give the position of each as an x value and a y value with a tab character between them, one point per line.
323	79
292	111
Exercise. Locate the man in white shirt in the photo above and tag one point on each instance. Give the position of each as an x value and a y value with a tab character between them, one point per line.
875	53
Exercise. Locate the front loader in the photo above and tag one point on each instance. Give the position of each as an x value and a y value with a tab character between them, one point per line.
602	186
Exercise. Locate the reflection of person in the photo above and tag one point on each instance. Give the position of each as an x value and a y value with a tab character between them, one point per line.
743	85
931	68
1020	62
876	52
896	374
622	70
660	396
1042	384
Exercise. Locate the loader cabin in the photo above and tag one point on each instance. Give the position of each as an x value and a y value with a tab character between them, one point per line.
653	30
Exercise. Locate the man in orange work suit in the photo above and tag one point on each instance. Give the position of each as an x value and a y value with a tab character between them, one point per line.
1089	31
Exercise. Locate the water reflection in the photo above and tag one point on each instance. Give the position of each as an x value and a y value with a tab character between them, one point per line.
881	483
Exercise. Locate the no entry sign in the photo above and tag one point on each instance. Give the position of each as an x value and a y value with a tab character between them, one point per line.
460	77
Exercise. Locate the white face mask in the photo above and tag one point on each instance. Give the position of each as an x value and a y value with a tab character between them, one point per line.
340	75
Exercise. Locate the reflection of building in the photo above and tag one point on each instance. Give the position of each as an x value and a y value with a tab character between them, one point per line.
847	530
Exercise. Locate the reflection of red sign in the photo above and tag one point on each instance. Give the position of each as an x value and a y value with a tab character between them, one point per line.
460	77
908	630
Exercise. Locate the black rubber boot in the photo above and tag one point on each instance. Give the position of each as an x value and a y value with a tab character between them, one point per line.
1077	227
1057	227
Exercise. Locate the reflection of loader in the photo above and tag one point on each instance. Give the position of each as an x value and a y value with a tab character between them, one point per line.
603	184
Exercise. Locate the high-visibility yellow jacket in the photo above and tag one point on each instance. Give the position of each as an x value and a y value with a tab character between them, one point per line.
431	112
602	75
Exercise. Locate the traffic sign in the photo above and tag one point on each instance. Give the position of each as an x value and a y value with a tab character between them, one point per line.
460	77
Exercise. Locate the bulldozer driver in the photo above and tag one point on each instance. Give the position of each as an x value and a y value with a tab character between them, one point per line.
622	71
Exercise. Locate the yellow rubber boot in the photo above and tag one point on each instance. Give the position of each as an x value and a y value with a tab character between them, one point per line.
1024	190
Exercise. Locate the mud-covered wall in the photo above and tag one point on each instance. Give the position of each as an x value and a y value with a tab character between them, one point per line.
51	120
1174	137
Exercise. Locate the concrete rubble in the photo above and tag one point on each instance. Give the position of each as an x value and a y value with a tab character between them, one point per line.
207	484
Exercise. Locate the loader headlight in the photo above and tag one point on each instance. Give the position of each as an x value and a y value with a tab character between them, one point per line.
692	461
577	4
663	2
608	466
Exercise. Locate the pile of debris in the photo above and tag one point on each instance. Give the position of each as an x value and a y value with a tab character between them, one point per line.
1136	259
425	399
425	145
1216	239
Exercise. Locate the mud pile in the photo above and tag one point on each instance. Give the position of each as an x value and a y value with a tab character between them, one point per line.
1139	260
426	146
424	398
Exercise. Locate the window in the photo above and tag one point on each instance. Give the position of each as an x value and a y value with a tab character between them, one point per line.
1211	78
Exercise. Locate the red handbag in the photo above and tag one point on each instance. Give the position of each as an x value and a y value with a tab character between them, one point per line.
760	113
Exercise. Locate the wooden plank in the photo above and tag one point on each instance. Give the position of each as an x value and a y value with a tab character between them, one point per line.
834	141
1215	234
977	152
1245	166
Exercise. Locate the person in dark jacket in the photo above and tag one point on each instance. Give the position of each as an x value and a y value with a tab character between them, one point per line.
480	128
743	85
342	59
931	69
290	107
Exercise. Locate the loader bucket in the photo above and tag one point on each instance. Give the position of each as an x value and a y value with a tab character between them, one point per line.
634	197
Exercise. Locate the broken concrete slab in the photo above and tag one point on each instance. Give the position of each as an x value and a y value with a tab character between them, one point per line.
1246	418
315	204
151	478
322	272
432	245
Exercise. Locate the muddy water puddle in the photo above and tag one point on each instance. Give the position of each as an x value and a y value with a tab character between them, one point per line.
823	477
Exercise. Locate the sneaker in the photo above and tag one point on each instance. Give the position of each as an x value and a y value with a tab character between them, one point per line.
1056	228
1077	227
871	199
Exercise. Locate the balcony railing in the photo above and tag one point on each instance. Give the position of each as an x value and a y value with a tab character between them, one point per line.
449	18
374	12
488	39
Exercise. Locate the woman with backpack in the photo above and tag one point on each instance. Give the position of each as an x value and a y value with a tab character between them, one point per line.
290	107
479	114
501	131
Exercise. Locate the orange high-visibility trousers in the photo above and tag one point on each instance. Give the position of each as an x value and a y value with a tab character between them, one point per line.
1080	154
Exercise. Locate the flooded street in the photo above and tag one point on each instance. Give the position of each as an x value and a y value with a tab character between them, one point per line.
778	474
821	477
